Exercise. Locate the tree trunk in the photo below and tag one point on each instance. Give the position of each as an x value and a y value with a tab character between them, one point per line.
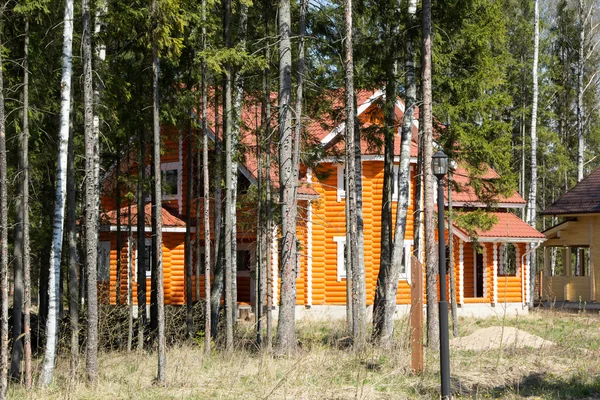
217	286
228	220
286	335
91	201
129	272
4	246
59	206
25	199
206	189
430	245
153	260
354	221
453	305
580	71
72	258
532	201
384	324
157	209
141	242
189	318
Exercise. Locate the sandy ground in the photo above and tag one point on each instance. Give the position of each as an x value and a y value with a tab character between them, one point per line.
496	337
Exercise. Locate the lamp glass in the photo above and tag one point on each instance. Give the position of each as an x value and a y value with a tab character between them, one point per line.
439	163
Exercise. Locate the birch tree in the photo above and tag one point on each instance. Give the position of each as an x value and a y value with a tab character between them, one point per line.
91	200
387	281
532	200
3	241
59	205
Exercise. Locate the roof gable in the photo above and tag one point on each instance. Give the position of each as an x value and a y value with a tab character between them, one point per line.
583	198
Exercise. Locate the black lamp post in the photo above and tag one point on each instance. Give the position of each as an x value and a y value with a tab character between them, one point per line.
439	165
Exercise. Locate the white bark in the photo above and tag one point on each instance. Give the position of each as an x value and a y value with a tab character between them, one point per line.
59	205
580	71
532	200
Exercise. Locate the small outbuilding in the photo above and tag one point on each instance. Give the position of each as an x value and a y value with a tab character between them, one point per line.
571	270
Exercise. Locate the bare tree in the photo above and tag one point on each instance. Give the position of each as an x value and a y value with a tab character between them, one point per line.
286	335
59	206
158	204
353	203
430	250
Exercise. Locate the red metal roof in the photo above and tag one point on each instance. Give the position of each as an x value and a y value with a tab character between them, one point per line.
466	193
168	219
509	226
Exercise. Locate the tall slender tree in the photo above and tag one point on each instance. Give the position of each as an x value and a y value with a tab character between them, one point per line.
286	335
161	374
3	241
430	250
59	205
91	200
532	200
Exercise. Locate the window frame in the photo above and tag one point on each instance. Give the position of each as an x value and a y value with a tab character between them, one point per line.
147	240
102	246
170	166
502	261
341	257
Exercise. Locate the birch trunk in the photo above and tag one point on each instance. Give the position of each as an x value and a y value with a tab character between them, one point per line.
206	189
91	200
580	71
4	245
72	259
384	325
25	190
286	335
532	201
59	206
129	273
160	294
430	244
217	285
228	221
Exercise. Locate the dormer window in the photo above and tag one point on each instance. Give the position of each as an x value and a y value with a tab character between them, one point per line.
171	180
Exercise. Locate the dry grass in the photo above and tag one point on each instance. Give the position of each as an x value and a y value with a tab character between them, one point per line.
324	368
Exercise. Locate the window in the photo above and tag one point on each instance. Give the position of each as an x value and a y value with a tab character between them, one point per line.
103	261
171	180
243	260
406	260
341	182
147	258
508	260
341	257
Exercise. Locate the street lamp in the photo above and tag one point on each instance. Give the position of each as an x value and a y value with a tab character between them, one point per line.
439	164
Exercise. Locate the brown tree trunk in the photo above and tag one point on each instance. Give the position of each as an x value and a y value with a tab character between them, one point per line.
286	335
430	244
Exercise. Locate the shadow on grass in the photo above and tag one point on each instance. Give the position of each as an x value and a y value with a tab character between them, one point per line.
546	386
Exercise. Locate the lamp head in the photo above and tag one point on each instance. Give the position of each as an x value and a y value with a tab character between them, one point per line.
439	164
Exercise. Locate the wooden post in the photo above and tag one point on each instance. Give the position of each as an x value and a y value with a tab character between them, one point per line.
416	315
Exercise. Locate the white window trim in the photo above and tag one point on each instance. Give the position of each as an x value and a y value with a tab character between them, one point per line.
106	245
341	192
177	166
407	261
147	241
341	267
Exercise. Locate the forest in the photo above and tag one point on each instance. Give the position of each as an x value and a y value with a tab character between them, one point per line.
89	89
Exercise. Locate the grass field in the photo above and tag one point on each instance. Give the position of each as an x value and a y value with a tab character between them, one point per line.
324	368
